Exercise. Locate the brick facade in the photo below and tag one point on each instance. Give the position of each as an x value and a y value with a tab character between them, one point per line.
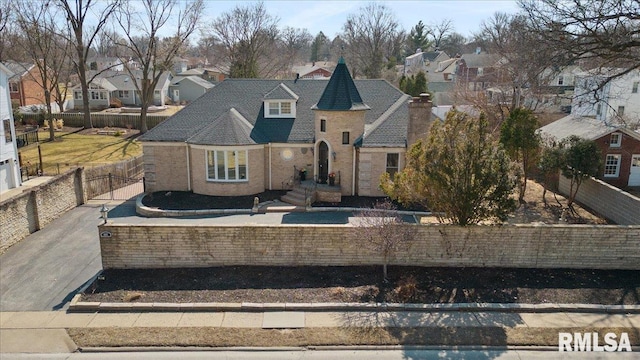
520	246
628	146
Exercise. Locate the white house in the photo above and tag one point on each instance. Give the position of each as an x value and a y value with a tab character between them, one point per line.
9	167
616	102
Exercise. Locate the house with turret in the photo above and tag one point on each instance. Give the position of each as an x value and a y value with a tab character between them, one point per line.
246	136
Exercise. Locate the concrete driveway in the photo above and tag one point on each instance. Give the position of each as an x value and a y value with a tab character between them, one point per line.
45	270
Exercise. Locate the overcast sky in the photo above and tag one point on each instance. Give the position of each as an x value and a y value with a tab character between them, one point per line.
329	16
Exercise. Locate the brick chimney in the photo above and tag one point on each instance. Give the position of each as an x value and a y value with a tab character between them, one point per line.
419	118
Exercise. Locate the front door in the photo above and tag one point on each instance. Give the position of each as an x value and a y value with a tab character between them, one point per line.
323	162
634	172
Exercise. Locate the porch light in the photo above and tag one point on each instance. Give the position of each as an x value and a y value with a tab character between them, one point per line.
104	211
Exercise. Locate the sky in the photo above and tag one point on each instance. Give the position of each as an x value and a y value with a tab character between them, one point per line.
329	16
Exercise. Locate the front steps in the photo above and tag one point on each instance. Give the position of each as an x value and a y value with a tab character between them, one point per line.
295	196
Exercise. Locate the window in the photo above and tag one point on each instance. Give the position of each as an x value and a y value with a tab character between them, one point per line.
612	165
123	93
480	71
616	140
635	87
280	109
620	110
7	130
98	95
392	164
599	109
323	125
77	95
13	87
560	80
345	138
227	165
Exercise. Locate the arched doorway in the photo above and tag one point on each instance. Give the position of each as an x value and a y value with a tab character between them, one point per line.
323	162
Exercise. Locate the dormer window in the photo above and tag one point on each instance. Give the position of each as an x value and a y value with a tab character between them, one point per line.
616	140
284	109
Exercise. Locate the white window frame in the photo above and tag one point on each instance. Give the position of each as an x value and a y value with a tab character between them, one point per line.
618	140
608	166
560	80
634	88
77	95
277	106
217	177
392	170
621	110
123	94
14	87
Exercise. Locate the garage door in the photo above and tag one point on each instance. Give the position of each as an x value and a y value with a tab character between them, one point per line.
634	174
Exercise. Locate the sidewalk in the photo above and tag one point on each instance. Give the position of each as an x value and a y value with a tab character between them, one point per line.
44	332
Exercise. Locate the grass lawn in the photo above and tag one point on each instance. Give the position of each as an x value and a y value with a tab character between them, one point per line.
73	149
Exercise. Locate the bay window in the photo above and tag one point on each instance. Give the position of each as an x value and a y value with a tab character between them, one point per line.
227	165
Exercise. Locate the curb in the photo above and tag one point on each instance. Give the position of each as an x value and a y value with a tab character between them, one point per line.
77	305
94	349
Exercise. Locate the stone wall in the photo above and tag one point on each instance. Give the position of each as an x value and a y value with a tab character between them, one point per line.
606	200
38	206
523	246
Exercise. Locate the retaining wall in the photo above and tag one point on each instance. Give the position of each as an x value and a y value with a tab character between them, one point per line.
38	206
528	246
608	201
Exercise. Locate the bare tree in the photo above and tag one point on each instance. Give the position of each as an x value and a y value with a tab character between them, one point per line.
382	229
105	43
48	52
154	55
5	13
369	34
296	44
600	34
440	31
248	35
79	15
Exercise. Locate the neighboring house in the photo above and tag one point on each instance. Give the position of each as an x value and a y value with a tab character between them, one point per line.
619	145
477	71
24	85
111	85
617	102
211	74
440	112
180	65
426	61
311	71
248	135
102	63
556	91
188	88
9	166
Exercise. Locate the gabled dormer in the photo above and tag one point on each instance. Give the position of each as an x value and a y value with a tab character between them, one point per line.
280	102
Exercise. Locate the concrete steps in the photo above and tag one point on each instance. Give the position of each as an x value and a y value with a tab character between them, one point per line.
295	196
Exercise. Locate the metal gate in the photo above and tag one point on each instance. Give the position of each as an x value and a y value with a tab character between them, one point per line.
114	187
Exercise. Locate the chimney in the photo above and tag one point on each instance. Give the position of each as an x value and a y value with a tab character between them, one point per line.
419	118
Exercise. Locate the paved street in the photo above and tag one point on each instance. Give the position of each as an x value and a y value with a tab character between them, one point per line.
44	271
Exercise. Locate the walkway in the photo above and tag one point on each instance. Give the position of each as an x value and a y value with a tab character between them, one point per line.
43	332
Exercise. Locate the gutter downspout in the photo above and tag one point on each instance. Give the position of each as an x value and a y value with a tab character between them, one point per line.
188	153
270	180
353	174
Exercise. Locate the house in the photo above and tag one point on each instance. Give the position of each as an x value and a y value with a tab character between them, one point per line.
311	71
211	74
188	88
112	85
9	166
477	71
619	145
425	61
102	63
246	136
615	102
25	84
556	89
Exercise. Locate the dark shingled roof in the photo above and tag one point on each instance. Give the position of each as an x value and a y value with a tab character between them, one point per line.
281	92
341	92
198	121
228	129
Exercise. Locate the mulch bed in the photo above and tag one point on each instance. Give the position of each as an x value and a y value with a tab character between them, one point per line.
364	284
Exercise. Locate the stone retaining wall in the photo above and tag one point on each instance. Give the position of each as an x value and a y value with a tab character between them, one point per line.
523	246
38	206
608	201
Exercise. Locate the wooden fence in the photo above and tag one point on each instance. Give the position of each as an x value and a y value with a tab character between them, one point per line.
99	120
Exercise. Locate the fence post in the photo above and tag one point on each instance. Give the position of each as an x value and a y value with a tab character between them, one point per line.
110	186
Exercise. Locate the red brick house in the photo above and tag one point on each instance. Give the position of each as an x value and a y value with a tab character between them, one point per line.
620	146
25	86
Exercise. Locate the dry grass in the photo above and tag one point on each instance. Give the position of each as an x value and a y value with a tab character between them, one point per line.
71	150
231	337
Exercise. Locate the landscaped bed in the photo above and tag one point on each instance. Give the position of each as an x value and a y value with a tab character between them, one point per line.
364	284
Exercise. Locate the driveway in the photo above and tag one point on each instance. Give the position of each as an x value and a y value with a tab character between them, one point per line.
45	270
